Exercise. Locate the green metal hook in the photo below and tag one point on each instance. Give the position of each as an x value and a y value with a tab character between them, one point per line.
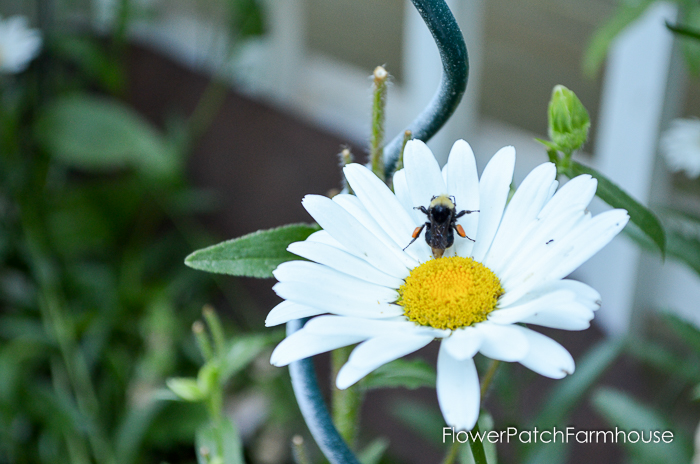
455	65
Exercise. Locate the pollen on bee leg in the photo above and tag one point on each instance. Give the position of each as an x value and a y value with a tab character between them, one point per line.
416	232
460	231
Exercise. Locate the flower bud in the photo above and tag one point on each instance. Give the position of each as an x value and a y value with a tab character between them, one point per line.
568	120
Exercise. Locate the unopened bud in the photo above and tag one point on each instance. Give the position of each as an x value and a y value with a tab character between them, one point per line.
568	120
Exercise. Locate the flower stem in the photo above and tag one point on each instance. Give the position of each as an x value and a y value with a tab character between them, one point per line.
452	453
346	403
299	450
376	149
488	377
477	447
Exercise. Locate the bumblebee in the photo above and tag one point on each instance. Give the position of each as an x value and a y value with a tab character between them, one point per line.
442	222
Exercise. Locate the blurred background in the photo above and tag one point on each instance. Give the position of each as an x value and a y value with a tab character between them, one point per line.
242	107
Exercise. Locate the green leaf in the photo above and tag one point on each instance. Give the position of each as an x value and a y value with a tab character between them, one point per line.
187	389
668	362
684	330
426	421
683	30
88	54
550	453
222	442
132	430
242	351
625	413
95	133
246	18
411	374
683	237
688	42
208	378
373	452
628	12
618	198
253	255
695	395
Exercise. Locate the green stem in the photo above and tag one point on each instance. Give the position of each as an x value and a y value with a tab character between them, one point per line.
299	451
203	342
215	404
452	453
346	403
376	149
488	377
477	447
207	108
216	329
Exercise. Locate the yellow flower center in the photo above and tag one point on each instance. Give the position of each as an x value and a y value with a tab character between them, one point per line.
448	293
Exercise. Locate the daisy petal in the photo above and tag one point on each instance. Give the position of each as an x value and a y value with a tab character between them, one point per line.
380	203
324	237
502	342
422	173
545	356
306	271
493	193
344	262
336	300
342	325
573	316
302	344
600	232
516	313
288	311
539	242
566	253
403	194
353	235
463	343
458	390
526	204
584	294
462	182
576	194
354	206
376	352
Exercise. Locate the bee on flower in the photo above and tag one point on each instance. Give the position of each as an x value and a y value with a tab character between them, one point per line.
503	271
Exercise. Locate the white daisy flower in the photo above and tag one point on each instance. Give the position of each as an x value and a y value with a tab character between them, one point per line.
680	145
393	301
18	44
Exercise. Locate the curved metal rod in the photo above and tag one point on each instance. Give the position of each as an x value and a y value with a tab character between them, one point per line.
453	53
313	408
455	65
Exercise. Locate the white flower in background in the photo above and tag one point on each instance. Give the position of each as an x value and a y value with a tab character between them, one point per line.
18	44
680	145
394	301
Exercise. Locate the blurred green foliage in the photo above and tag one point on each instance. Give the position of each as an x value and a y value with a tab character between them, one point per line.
96	217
